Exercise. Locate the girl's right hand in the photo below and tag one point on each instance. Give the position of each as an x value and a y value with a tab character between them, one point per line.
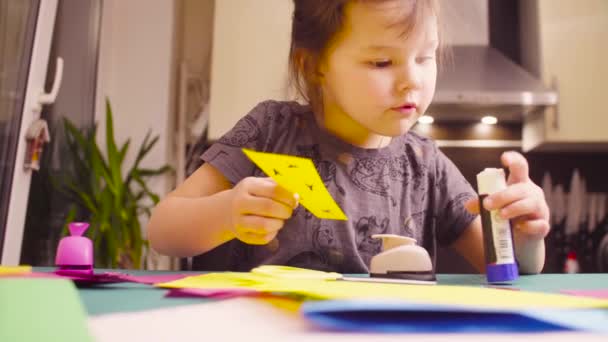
259	208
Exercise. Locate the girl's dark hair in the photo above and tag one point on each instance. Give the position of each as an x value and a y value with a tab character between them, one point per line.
316	23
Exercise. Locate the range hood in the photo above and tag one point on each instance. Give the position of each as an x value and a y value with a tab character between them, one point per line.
478	80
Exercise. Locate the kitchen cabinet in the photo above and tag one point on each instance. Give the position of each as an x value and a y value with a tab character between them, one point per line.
565	43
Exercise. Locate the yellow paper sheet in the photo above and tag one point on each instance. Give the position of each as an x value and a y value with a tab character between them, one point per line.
15	270
316	287
279	271
299	175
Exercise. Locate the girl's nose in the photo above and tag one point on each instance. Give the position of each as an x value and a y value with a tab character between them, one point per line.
407	78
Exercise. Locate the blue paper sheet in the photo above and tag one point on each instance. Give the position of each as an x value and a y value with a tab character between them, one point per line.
383	316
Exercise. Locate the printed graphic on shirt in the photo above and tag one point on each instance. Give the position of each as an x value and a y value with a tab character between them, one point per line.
419	171
414	227
376	175
245	131
275	117
326	244
365	228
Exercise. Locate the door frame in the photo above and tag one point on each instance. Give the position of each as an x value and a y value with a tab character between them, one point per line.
20	188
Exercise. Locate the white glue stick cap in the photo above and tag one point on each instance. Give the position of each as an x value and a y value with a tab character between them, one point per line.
491	180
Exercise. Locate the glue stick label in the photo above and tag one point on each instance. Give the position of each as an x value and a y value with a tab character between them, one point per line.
498	240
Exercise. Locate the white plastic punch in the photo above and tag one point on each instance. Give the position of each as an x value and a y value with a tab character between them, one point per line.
401	261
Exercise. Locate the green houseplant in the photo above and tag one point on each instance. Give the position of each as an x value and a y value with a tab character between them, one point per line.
107	194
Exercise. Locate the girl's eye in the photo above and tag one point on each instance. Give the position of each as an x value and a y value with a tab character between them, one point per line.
424	59
381	63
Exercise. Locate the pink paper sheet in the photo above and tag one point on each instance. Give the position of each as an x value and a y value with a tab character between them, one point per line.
116	277
211	293
106	277
601	293
154	278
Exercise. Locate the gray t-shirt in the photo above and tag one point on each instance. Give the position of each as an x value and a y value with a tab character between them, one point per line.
408	188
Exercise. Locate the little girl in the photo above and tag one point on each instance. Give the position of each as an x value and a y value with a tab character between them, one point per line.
367	69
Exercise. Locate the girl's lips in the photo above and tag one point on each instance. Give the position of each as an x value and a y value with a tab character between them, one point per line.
406	108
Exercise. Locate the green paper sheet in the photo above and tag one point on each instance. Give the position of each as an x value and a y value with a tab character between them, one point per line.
41	310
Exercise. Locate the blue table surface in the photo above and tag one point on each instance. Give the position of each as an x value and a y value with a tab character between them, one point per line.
129	297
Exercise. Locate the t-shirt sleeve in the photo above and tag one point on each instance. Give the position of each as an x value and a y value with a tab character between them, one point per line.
452	190
226	154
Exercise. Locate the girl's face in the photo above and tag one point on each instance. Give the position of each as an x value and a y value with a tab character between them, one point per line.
375	81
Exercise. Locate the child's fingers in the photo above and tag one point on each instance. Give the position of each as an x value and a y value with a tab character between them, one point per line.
472	206
512	194
534	228
530	207
517	165
266	187
262	206
258	224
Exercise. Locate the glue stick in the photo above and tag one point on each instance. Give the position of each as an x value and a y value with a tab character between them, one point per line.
497	238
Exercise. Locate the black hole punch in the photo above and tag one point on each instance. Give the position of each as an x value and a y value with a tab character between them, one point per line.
309	186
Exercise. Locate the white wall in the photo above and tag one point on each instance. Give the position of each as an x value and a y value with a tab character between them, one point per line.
136	74
466	22
249	63
136	69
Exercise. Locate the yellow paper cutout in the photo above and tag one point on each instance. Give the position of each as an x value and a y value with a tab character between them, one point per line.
299	175
15	270
314	287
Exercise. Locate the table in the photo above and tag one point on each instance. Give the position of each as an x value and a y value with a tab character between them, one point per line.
129	297
128	311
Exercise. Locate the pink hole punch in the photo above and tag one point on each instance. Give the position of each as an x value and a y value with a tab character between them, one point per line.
75	252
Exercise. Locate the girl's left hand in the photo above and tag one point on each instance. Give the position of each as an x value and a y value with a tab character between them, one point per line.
522	202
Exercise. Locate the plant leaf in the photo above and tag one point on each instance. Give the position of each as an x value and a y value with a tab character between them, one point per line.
154	197
154	172
123	150
114	161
